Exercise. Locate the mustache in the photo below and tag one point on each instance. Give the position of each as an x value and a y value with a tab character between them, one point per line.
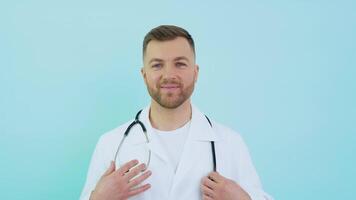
170	82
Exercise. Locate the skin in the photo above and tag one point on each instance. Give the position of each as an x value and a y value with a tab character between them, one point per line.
174	62
217	187
119	184
170	73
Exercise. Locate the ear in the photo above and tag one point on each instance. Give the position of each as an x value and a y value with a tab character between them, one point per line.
143	73
196	73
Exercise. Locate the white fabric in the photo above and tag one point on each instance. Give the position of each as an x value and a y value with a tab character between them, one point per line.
232	157
173	143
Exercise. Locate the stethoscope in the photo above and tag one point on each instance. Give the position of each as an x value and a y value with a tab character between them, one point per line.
144	130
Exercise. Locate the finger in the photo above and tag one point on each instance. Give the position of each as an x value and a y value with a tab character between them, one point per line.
111	169
127	166
209	183
139	179
139	190
206	197
207	191
133	172
215	176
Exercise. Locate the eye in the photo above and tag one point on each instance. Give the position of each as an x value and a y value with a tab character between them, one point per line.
156	66
180	64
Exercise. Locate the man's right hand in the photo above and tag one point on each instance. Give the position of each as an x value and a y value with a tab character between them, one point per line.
119	184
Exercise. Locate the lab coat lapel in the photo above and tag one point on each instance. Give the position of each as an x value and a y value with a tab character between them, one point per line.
200	134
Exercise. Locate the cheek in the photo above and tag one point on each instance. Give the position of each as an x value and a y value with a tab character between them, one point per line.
189	79
152	79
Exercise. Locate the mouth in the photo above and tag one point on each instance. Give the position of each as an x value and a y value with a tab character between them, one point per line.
170	87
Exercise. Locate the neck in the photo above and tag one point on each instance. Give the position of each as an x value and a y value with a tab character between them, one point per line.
166	119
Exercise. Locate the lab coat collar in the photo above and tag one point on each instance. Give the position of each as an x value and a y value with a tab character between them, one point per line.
200	130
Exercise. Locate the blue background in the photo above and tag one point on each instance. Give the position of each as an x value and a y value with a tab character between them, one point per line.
282	73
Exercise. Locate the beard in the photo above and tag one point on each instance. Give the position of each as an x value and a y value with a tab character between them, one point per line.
171	100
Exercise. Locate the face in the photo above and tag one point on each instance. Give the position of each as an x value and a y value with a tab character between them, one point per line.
170	71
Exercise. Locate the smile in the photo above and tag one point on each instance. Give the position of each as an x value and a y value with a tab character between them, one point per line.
170	87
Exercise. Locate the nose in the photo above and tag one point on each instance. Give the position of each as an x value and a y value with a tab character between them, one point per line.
169	72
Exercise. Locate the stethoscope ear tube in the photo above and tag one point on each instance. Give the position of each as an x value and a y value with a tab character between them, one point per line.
127	131
213	153
212	146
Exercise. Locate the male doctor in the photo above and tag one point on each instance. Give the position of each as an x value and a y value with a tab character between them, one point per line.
180	139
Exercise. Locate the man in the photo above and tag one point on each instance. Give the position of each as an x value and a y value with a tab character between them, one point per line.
183	143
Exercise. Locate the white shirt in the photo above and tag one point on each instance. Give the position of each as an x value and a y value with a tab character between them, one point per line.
233	160
173	142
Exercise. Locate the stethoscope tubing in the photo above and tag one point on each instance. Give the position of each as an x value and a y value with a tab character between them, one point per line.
137	121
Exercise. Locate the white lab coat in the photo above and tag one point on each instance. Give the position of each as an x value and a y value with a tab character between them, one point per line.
232	158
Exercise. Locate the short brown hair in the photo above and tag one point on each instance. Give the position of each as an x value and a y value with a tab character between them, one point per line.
165	33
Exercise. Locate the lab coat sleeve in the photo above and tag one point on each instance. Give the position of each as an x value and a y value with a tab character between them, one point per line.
247	176
97	167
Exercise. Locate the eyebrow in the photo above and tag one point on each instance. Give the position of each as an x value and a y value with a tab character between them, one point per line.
181	58
175	59
155	60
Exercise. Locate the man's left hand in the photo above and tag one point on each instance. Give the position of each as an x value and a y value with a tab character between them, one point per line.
217	187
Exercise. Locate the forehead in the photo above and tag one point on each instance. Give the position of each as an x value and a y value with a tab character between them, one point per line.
167	50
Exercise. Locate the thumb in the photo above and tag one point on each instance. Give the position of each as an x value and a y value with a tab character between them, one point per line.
111	169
